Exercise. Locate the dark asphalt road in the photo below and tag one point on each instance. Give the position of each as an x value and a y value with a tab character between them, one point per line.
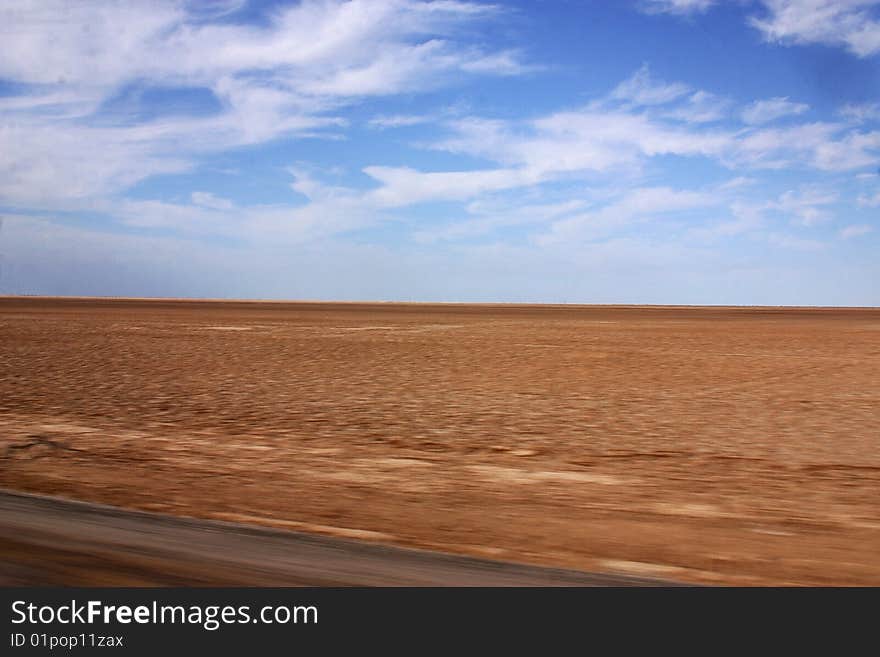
50	541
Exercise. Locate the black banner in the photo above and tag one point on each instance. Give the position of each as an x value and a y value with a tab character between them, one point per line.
150	621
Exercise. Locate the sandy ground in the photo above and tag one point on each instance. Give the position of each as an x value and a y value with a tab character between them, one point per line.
708	445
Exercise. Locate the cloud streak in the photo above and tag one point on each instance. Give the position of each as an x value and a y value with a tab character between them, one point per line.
851	24
289	75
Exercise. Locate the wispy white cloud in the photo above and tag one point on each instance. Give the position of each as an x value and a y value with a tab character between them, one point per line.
849	151
209	200
744	218
642	89
487	217
802	208
739	181
852	24
307	44
675	6
764	111
869	201
819	145
590	139
806	206
701	107
47	164
402	186
636	205
856	230
795	242
602	138
399	120
642	118
861	113
287	75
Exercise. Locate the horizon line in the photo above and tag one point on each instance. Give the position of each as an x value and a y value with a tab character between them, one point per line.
75	297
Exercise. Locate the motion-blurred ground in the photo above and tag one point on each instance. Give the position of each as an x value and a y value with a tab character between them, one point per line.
708	445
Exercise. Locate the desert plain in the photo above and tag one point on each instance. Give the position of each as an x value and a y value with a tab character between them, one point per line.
704	445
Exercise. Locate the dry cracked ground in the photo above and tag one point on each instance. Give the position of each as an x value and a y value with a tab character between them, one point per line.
706	445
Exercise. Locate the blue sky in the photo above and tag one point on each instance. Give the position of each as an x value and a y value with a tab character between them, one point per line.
652	151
